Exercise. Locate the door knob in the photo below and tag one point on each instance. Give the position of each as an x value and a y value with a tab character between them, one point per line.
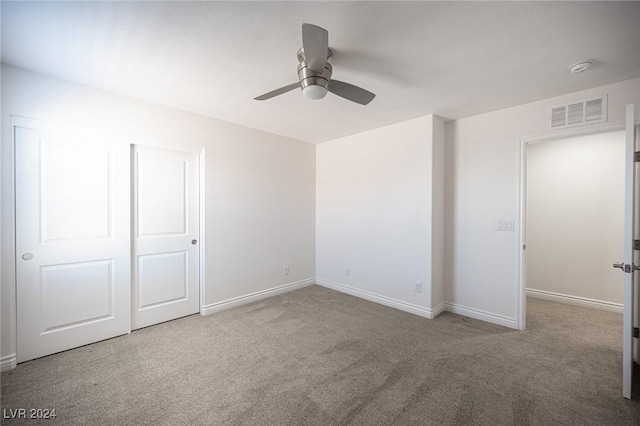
619	265
27	256
194	242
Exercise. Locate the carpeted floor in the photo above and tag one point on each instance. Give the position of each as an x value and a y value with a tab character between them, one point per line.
318	357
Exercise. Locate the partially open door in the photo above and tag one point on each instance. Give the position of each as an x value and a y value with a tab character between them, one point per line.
629	266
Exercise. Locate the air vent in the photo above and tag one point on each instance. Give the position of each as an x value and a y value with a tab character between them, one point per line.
559	116
593	110
576	113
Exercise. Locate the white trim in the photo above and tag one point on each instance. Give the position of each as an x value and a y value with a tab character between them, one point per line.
575	132
10	198
201	237
8	362
575	300
252	297
521	279
45	125
440	308
383	300
481	315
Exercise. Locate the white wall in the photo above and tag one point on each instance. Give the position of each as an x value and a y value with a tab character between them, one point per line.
376	205
482	185
260	188
379	209
575	217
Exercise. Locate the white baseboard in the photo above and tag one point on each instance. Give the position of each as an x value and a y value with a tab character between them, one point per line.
481	315
8	362
372	297
575	300
252	297
440	308
383	300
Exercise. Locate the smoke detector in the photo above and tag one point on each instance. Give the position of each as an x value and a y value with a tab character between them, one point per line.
580	67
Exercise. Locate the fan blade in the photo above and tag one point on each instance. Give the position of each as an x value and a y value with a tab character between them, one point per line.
315	42
351	92
277	92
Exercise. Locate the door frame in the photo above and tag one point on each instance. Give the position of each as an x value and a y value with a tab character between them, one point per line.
9	361
523	143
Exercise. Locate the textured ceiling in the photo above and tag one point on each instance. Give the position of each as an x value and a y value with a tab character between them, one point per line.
453	59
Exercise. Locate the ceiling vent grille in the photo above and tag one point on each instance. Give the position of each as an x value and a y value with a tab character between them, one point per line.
583	112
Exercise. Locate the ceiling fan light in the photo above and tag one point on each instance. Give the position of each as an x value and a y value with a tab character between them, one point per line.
314	92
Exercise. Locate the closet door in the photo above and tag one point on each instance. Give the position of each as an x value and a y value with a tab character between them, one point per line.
72	240
166	231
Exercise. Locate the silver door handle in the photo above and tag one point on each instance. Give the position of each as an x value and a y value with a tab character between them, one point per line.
626	268
27	256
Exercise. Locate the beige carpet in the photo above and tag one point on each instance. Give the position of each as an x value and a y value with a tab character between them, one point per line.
318	357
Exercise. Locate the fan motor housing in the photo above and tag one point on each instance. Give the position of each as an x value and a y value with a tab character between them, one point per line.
309	77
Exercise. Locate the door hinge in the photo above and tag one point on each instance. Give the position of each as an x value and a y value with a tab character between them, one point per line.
637	156
636	332
636	244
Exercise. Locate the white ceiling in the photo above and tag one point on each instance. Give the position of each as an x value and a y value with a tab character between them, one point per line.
453	59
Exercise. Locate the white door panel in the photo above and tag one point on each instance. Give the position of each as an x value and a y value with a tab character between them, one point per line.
162	194
166	224
630	261
86	189
162	278
72	240
95	301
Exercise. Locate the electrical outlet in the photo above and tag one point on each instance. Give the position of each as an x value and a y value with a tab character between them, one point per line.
417	286
347	272
285	270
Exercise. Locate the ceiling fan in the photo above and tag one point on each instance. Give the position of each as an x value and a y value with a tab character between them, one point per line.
314	71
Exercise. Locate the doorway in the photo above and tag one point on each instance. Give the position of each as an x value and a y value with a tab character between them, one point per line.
525	143
574	211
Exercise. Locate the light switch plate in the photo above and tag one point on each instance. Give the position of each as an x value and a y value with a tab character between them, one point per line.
505	225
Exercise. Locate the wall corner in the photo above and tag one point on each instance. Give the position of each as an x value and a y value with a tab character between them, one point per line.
437	212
